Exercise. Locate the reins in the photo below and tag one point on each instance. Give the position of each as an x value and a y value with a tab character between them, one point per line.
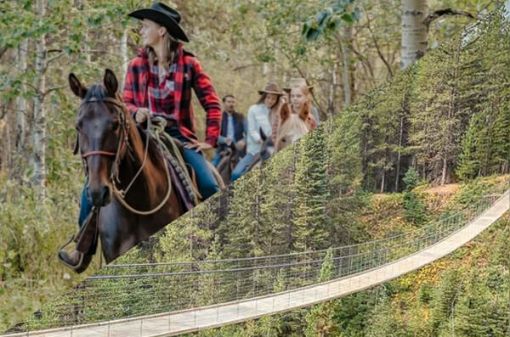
124	141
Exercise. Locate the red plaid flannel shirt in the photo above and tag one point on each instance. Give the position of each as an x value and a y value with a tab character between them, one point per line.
188	75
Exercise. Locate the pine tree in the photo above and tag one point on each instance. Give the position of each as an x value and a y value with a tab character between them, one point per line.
485	147
445	299
311	222
320	319
344	152
383	322
276	205
481	312
414	208
239	229
438	112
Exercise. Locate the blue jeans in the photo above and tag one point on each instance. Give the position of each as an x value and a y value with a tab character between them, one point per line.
242	166
85	204
216	159
207	184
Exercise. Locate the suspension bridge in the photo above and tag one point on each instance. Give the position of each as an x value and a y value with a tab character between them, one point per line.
166	299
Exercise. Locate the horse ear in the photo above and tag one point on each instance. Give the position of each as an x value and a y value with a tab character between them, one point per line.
284	112
77	88
110	82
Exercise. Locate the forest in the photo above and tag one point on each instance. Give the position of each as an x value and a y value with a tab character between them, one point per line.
392	132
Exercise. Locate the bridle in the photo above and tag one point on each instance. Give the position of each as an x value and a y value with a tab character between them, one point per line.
122	146
123	141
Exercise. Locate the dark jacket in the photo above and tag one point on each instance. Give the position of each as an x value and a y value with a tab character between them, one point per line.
239	127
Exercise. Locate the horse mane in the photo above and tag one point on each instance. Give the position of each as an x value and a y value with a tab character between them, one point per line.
96	91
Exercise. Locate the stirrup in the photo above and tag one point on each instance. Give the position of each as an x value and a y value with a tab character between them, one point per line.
78	267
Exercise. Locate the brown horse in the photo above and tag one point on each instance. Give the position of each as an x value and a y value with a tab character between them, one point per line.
230	156
128	176
266	151
293	126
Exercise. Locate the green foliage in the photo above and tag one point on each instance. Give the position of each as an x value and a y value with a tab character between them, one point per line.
320	319
312	225
450	114
29	234
352	312
343	146
425	293
411	179
415	211
189	238
438	115
486	142
472	191
383	322
384	130
482	309
330	19
445	298
327	269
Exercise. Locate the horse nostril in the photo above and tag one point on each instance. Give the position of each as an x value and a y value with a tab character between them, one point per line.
105	194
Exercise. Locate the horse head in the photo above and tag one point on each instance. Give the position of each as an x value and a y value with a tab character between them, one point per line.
100	123
267	148
292	126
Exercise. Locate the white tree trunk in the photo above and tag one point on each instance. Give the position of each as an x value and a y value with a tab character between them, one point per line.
5	154
21	102
80	4
346	60
444	171
332	90
124	55
507	10
39	113
265	69
399	155
414	31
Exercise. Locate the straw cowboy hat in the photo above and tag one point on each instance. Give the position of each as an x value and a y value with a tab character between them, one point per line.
297	82
271	88
165	16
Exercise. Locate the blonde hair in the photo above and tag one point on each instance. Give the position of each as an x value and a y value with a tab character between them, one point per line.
306	109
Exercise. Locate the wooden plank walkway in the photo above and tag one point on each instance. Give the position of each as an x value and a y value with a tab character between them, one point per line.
175	323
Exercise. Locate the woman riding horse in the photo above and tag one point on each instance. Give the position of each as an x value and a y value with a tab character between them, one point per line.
159	83
296	118
259	119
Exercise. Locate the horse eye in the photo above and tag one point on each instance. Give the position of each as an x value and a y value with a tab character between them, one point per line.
115	125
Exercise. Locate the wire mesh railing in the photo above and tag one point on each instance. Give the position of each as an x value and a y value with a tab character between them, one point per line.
124	291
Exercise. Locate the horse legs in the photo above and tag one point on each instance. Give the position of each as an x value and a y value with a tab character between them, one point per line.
110	244
116	230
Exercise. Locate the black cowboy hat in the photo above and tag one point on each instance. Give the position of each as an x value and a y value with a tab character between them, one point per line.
165	16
